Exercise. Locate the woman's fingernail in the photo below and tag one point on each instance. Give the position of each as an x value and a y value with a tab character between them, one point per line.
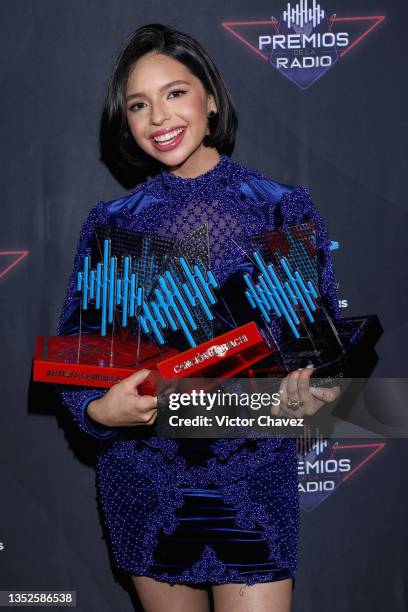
310	366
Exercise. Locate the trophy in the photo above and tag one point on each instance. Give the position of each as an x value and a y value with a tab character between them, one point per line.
149	302
146	301
284	288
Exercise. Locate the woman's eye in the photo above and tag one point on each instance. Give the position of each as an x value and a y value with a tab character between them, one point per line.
177	91
137	106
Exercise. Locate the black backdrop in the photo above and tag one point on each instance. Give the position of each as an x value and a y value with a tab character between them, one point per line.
342	138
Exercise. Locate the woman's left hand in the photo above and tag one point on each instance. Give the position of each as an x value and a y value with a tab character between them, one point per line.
298	398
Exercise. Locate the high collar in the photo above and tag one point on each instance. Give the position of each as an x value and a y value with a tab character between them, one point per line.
220	172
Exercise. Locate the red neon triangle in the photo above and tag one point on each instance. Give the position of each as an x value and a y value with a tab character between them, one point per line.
9	259
230	25
373	23
374	448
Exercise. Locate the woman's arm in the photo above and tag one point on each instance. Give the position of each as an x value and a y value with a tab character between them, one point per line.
121	405
77	399
296	207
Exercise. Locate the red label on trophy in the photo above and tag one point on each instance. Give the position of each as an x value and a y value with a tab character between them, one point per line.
98	361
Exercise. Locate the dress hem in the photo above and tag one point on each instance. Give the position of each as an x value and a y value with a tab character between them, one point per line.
197	583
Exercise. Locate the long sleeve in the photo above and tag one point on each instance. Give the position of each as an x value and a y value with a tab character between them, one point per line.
282	206
78	398
297	207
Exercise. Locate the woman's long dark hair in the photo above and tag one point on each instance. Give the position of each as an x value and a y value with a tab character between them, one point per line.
126	160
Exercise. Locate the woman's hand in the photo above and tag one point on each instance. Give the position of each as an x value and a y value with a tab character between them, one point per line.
123	406
299	399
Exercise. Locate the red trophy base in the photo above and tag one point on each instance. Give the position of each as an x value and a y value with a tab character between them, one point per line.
220	357
93	361
96	361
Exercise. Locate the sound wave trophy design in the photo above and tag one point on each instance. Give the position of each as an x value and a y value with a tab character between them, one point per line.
149	302
144	301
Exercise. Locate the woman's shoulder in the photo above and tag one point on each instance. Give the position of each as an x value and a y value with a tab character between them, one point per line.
283	203
258	186
290	203
130	201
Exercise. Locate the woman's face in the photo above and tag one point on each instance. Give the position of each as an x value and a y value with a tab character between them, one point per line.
163	96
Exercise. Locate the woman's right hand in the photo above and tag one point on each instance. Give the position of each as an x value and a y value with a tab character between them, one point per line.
123	406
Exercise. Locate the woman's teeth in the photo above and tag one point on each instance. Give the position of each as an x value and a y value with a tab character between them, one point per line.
169	136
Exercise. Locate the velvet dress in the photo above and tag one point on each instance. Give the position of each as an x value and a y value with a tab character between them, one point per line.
199	511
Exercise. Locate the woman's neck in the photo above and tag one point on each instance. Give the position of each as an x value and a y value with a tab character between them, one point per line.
200	161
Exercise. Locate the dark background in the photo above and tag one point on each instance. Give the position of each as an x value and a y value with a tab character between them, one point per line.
344	139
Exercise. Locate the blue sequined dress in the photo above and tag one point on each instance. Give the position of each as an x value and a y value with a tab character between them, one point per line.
218	511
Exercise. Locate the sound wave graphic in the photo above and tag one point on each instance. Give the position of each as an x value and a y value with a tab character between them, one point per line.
302	15
271	295
172	307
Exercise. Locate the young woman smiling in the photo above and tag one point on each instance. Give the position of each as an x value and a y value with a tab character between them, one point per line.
185	516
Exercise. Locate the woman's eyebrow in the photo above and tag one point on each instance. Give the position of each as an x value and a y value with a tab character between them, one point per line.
162	88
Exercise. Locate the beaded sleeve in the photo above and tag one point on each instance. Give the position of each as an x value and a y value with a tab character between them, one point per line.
296	207
77	399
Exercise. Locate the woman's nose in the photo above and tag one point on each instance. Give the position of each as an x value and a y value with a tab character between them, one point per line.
158	114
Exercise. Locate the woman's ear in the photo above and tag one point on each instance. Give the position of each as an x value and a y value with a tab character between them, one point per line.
211	105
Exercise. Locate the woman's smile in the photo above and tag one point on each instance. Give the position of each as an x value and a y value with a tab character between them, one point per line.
168	140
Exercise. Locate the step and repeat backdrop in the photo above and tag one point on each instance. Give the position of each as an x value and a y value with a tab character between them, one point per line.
321	94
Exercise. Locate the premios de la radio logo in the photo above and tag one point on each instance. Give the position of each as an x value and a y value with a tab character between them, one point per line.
306	40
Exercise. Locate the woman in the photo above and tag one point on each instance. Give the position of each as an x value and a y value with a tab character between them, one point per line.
182	516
